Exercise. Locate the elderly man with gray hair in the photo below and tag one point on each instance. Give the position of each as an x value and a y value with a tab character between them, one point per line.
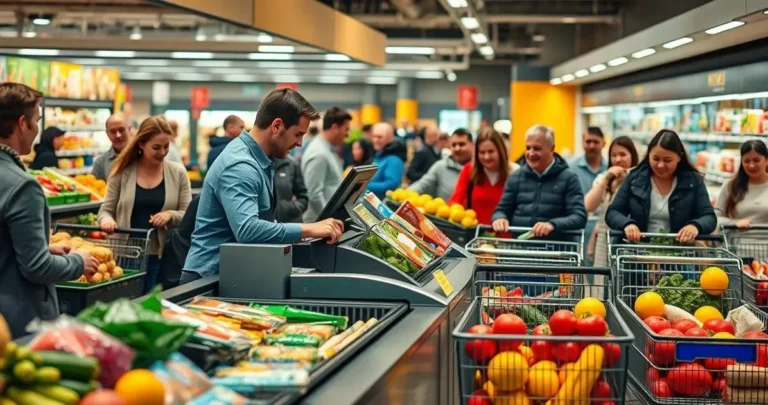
543	194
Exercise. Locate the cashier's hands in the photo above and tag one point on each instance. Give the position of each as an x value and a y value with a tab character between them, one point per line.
330	229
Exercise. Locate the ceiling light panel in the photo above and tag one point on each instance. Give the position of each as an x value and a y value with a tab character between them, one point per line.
240	78
148	62
39	52
333	79
115	54
582	73
41	21
429	75
470	23
410	50
598	68
192	55
555	81
479	38
678	42
276	48
286	79
724	27
618	61
643	53
270	56
212	63
457	3
192	77
381	80
486	51
337	57
567	78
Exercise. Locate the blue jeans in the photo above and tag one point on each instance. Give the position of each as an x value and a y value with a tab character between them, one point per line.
153	267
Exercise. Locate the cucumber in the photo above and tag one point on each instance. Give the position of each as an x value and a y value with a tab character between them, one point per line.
71	366
24	371
82	388
531	315
7	401
47	375
61	394
26	397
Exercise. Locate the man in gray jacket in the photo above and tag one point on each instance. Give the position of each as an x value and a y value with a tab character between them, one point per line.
440	179
29	267
321	165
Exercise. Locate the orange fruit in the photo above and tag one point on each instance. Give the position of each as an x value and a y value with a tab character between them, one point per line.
714	281
140	387
457	215
470	213
444	212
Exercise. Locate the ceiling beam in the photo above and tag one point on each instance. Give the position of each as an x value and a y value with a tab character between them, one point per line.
446	21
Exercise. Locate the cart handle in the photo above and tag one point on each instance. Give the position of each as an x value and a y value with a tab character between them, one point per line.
525	229
709	238
130	231
511	268
731	227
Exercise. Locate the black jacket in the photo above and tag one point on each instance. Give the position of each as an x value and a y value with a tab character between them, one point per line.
290	183
422	161
45	153
177	246
556	198
688	204
217	143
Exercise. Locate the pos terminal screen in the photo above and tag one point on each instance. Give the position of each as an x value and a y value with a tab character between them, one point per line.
349	192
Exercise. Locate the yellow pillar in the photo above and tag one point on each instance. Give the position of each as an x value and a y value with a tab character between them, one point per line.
370	114
406	110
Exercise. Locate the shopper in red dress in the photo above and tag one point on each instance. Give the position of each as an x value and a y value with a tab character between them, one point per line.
481	182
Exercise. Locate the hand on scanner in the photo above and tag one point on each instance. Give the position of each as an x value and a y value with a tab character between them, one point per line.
330	229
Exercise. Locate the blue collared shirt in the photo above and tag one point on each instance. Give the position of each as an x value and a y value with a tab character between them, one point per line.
585	173
236	206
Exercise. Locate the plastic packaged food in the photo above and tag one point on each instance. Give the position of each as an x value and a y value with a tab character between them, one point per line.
182	379
220	396
247	382
294	315
411	214
324	332
67	334
342	340
379	208
209	330
402	227
267	353
247	317
381	245
292	339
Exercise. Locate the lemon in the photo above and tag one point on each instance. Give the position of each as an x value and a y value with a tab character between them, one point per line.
415	201
444	212
431	207
439	201
457	215
470	213
589	306
707	313
398	195
649	304
714	281
723	335
457	207
468	222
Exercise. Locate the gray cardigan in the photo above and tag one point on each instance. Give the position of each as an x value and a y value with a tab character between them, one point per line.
28	271
321	168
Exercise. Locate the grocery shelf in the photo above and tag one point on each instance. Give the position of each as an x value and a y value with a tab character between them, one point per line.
73	210
77	152
717	177
75	103
76	171
81	128
697	136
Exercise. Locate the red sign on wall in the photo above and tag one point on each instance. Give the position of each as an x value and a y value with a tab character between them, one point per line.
467	98
200	98
292	86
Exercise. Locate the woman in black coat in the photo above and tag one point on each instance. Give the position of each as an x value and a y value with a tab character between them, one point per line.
45	152
665	193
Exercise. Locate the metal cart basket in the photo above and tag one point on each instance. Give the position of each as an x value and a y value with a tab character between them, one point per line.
751	246
129	250
523	368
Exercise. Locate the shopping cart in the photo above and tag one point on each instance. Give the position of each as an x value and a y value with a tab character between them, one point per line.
129	251
691	366
657	255
494	366
751	246
498	280
560	249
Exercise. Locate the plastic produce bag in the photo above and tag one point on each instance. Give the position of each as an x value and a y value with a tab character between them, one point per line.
744	320
140	326
185	383
66	334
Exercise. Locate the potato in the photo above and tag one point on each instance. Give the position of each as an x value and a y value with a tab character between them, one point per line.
87	245
60	237
106	276
111	265
82	279
117	271
96	278
102	268
102	254
76	242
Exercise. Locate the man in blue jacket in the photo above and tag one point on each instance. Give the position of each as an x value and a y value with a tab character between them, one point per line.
543	194
390	157
233	126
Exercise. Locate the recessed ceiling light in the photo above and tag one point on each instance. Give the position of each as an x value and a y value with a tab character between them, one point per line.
678	42
39	52
270	56
337	57
486	50
724	27
115	54
135	34
264	38
148	62
410	50
276	65
429	75
582	73
555	81
479	38
276	48
286	79
212	63
457	3
192	55
567	78
333	79
618	61
539	38
450	76
597	68
643	53
41	21
381	80
470	23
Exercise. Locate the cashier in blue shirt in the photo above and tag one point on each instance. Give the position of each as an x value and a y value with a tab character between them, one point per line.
237	203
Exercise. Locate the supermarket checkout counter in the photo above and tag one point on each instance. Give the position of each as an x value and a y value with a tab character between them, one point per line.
416	358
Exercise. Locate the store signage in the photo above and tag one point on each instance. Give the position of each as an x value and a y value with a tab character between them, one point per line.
293	86
200	98
716	79
443	281
467	98
161	93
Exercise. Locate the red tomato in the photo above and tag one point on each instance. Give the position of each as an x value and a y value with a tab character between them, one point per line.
657	323
481	350
601	391
755	334
719	325
566	352
652	375
718	386
562	323
683	325
696	332
718	364
689	379
664	350
661	389
542	350
479	397
612	353
509	324
761	294
541	330
762	356
592	325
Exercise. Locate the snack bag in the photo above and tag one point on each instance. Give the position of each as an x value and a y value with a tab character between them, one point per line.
247	317
67	334
185	383
379	208
410	213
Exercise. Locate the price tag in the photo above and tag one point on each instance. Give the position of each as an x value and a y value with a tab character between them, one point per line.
443	281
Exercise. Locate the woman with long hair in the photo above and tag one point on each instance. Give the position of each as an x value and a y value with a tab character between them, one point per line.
146	191
51	140
481	182
622	157
742	199
665	193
